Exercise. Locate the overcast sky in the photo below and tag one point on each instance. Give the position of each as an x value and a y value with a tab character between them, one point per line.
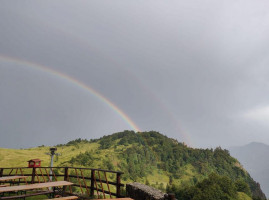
197	71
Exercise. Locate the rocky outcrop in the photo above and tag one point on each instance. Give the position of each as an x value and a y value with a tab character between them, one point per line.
138	191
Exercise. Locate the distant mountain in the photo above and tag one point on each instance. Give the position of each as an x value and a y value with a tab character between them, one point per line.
152	158
255	159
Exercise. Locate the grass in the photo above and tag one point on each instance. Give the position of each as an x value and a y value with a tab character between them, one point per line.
157	176
19	157
243	196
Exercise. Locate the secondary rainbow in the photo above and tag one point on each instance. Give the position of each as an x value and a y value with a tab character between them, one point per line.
80	84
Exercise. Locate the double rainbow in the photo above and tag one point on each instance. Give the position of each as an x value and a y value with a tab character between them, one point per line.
48	70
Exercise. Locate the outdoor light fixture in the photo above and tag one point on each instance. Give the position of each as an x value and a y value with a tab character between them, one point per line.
52	153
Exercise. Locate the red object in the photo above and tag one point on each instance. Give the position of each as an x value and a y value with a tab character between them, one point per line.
34	163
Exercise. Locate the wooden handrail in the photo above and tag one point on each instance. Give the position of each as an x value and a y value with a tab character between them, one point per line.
37	175
110	171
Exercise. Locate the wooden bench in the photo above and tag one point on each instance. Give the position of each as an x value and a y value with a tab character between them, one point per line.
33	187
5	185
62	198
8	178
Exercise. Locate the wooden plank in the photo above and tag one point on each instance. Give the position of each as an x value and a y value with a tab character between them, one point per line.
63	198
35	186
8	178
4	185
27	195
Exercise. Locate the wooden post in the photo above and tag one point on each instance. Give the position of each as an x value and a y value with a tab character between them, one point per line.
1	172
171	196
118	185
66	174
33	175
65	178
92	182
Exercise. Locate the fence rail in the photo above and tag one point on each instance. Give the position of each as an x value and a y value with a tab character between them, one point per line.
88	182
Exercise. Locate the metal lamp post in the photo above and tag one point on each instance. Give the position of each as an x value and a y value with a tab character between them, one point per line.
52	153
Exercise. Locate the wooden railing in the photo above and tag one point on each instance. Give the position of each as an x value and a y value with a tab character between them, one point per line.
88	182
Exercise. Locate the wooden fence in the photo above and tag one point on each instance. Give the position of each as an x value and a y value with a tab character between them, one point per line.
88	182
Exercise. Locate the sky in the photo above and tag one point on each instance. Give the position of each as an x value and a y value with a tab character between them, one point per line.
196	71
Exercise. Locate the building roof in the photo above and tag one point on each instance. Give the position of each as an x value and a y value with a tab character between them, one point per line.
35	160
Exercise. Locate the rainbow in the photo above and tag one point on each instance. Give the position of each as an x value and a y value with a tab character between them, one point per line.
86	43
72	80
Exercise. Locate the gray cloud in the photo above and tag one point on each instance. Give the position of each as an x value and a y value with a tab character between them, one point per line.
186	68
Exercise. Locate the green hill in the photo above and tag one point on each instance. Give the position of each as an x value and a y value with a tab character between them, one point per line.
147	157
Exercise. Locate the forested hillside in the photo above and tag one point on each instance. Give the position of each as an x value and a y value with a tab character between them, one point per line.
153	159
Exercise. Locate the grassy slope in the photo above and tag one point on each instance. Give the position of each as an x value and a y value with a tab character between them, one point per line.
19	157
15	157
243	196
